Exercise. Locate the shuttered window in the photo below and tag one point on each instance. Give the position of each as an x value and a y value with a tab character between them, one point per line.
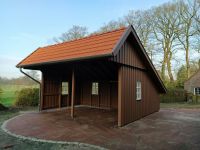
138	90
95	88
65	88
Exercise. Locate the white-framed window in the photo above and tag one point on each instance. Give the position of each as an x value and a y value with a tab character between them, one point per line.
95	88
65	88
197	91
138	90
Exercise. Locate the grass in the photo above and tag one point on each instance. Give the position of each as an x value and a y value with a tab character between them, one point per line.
189	105
9	93
10	142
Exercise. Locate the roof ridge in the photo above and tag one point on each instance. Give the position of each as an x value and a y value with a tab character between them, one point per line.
89	36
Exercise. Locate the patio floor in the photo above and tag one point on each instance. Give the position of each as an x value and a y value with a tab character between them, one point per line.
166	129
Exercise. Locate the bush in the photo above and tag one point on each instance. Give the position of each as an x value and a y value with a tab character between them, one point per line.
193	98
174	95
1	91
2	107
27	97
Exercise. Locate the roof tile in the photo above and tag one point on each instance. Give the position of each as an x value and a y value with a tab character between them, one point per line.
91	46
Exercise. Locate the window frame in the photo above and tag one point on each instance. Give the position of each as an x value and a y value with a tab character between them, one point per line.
64	88
138	90
95	88
197	91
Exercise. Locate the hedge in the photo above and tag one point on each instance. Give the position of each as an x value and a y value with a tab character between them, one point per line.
173	96
27	97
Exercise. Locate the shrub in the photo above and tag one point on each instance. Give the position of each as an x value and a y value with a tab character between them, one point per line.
27	97
193	98
173	95
1	91
2	107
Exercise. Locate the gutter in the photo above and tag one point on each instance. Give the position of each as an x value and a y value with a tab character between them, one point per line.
36	82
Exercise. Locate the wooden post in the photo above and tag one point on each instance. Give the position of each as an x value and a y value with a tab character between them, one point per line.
73	94
41	92
60	93
119	97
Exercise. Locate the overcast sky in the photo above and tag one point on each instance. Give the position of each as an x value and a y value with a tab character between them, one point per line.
29	24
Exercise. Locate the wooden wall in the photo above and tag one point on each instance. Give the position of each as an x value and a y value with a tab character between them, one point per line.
132	68
107	97
52	97
131	109
129	55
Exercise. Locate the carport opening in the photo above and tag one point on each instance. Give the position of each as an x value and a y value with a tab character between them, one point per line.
94	84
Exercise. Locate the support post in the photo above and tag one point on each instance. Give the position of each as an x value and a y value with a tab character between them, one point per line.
41	93
73	94
60	93
119	97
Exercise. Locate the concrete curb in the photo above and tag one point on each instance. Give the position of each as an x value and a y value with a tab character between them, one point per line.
3	127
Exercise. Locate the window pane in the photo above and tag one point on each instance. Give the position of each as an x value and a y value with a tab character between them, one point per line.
65	88
138	90
95	88
197	91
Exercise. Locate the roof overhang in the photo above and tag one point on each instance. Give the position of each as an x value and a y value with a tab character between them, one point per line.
30	66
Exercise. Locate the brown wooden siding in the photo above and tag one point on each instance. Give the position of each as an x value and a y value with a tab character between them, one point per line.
103	99
52	97
129	55
51	92
132	109
133	67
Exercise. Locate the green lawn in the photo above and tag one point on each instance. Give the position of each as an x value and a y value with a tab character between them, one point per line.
189	105
9	92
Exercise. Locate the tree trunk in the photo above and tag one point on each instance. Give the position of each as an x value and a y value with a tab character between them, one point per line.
163	67
187	58
169	67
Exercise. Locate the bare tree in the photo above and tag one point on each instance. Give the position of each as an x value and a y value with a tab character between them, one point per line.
187	31
142	22
112	25
34	74
197	16
166	23
75	32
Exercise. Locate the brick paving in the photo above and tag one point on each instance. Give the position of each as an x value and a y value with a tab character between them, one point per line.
166	129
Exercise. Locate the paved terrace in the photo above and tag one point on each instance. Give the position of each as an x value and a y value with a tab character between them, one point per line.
167	129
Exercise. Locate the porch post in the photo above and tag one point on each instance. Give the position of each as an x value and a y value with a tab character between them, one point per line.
119	97
72	94
60	93
41	94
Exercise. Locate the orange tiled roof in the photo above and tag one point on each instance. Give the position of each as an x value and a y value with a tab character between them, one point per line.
91	46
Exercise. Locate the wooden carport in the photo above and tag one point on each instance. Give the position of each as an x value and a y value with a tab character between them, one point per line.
90	65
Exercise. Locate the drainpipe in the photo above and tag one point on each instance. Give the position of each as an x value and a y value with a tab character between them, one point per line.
36	82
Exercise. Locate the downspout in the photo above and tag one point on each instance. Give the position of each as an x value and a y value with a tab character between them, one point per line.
36	82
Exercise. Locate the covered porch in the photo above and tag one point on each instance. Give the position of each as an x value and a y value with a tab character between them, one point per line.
93	84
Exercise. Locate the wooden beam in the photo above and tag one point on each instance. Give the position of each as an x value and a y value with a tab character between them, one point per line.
120	97
73	94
